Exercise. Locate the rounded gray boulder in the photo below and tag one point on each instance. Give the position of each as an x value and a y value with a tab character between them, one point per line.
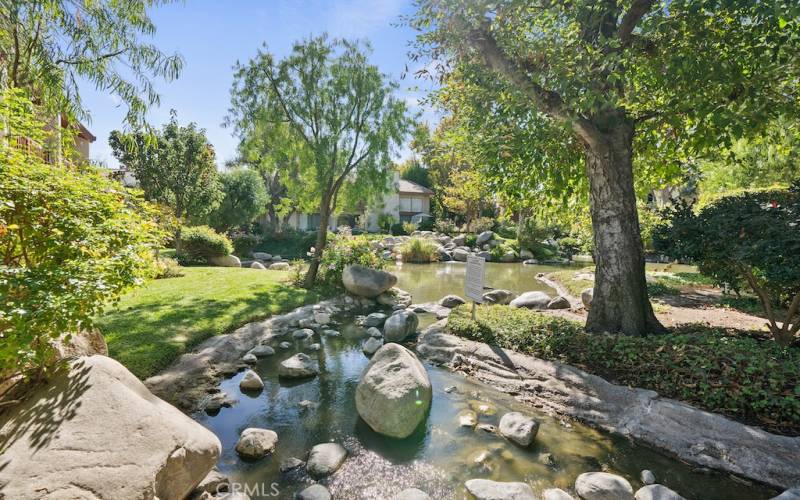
366	282
256	443
484	489
394	393
324	459
298	366
518	428
532	300
603	486
400	326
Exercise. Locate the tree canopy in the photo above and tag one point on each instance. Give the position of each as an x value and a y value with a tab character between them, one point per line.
562	97
48	47
331	114
243	199
177	169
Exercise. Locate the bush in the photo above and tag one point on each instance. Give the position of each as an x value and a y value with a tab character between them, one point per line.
470	240
751	380
397	229
289	243
482	224
342	251
426	224
244	198
506	230
409	227
245	243
445	226
71	242
749	239
166	267
419	250
531	234
199	243
385	222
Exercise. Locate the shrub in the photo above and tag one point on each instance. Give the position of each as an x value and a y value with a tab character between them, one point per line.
201	243
747	239
426	224
506	230
409	227
419	250
531	234
445	226
243	199
71	242
470	240
722	371
569	246
482	224
166	267
385	222
289	243
245	243
342	251
397	229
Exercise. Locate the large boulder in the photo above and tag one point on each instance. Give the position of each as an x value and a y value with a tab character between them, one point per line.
532	300
394	393
324	459
501	297
262	256
603	486
400	326
279	266
484	489
395	298
257	265
314	492
366	282
371	345
586	297
559	303
460	255
556	494
459	240
298	366
225	261
518	428
375	319
92	417
256	443
656	492
484	237
251	382
790	494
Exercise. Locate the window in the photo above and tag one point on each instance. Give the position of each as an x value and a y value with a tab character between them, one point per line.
313	222
405	204
416	204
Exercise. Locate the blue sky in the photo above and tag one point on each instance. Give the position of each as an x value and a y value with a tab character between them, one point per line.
213	35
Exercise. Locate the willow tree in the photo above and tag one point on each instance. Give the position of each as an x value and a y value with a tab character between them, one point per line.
617	83
49	47
334	113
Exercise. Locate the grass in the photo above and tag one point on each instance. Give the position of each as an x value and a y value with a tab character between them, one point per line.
153	325
573	286
720	370
419	250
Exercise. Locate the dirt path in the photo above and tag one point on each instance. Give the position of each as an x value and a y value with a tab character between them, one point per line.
698	305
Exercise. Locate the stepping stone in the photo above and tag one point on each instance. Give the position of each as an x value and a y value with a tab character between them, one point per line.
256	443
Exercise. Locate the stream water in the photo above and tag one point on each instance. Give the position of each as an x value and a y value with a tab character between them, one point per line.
440	455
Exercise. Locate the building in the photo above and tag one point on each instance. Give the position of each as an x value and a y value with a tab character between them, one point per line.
50	153
406	202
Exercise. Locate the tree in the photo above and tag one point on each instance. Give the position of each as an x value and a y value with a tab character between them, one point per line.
606	85
412	170
71	242
243	199
177	169
48	47
750	238
335	112
467	194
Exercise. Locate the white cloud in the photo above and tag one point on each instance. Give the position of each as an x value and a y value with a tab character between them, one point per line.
362	18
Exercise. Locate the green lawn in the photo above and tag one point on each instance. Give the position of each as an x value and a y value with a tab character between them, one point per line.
154	324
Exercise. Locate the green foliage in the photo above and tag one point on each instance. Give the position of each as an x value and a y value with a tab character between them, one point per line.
333	116
243	199
470	239
151	327
176	167
748	379
749	238
412	170
419	250
245	243
649	219
385	222
445	226
506	230
659	289
341	252
398	229
201	243
409	227
71	241
48	48
166	267
289	243
482	224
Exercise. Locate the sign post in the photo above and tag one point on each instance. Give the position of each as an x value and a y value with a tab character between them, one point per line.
473	280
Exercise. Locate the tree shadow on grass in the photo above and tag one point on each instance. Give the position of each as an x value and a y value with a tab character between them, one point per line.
148	337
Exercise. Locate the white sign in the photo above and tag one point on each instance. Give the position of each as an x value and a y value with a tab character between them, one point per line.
473	282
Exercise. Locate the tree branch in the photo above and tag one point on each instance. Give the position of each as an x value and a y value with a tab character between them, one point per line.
96	59
549	102
631	18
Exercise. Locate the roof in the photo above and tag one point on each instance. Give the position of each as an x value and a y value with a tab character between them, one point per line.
409	187
83	132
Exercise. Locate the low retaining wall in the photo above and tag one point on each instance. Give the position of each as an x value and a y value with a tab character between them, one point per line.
696	436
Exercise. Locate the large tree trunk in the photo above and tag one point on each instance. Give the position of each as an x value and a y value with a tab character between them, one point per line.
322	239
620	303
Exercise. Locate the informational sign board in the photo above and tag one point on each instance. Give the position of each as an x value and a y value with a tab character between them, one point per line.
473	282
